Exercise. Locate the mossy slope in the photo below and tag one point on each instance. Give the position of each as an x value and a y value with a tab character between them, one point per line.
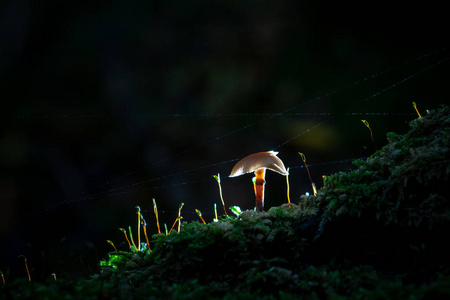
389	215
377	232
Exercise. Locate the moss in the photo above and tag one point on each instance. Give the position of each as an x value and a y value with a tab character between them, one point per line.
402	182
376	232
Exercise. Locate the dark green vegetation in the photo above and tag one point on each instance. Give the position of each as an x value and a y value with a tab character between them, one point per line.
377	232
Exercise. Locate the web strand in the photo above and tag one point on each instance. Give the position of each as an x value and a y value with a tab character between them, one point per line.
282	113
126	189
397	83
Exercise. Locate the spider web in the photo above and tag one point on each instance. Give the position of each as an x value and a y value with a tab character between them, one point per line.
201	174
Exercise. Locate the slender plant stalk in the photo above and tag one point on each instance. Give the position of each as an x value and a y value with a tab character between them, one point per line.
26	266
125	233
217	177
314	188
179	216
112	244
216	219
287	183
199	213
176	220
131	237
309	174
144	227
155	209
417	111
371	133
139	227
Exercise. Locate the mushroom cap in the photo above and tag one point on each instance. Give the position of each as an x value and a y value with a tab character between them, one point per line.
256	161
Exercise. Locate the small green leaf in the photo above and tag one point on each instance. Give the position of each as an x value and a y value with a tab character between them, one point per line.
236	210
217	177
303	156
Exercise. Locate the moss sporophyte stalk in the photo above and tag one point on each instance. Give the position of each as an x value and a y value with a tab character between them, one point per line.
417	111
287	186
313	185
179	216
155	209
26	266
112	244
199	213
217	178
371	133
126	237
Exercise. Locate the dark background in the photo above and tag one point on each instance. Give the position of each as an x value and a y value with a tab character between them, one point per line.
109	104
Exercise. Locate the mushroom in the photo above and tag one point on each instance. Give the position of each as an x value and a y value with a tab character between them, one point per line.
258	163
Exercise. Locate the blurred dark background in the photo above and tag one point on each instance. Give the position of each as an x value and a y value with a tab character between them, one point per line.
109	104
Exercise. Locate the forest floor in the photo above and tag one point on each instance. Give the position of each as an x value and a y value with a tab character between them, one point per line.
376	232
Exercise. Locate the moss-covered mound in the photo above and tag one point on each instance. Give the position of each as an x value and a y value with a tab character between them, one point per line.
382	225
377	232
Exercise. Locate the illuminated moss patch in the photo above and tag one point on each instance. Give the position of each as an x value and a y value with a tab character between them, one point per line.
376	232
392	207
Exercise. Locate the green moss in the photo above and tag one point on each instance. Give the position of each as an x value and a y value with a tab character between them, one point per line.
389	208
376	232
403	182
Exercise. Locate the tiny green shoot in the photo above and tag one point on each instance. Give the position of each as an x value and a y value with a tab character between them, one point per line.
139	227
199	213
371	133
417	111
217	177
287	183
112	244
216	219
155	209
131	238
236	210
309	174
179	216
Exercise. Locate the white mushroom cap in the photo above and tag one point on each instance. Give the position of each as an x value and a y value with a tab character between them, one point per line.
256	161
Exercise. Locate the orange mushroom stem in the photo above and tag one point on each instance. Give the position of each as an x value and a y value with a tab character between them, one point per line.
260	182
258	163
